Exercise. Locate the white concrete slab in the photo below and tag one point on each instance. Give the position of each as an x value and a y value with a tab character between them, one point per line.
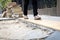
14	29
48	21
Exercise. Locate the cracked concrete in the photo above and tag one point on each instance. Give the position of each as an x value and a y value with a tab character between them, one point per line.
18	30
15	29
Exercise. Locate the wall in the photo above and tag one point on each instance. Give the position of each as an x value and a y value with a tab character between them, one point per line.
58	7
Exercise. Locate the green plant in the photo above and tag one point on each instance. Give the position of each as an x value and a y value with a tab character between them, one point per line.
3	3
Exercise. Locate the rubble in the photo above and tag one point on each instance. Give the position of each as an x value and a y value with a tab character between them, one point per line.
18	30
12	9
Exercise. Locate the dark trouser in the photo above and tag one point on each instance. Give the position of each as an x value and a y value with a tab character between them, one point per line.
25	7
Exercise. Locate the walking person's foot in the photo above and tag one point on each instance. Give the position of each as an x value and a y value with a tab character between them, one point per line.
37	17
25	17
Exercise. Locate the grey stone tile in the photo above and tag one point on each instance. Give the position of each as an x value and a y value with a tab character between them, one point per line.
54	36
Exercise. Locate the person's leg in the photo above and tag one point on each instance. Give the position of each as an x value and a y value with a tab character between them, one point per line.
25	7
34	3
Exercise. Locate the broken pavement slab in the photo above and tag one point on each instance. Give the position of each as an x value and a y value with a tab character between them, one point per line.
15	29
1	19
47	23
15	32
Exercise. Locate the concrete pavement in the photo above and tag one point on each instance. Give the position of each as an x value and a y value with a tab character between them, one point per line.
13	30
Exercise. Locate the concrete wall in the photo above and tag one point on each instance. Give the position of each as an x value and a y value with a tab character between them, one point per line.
58	7
48	11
